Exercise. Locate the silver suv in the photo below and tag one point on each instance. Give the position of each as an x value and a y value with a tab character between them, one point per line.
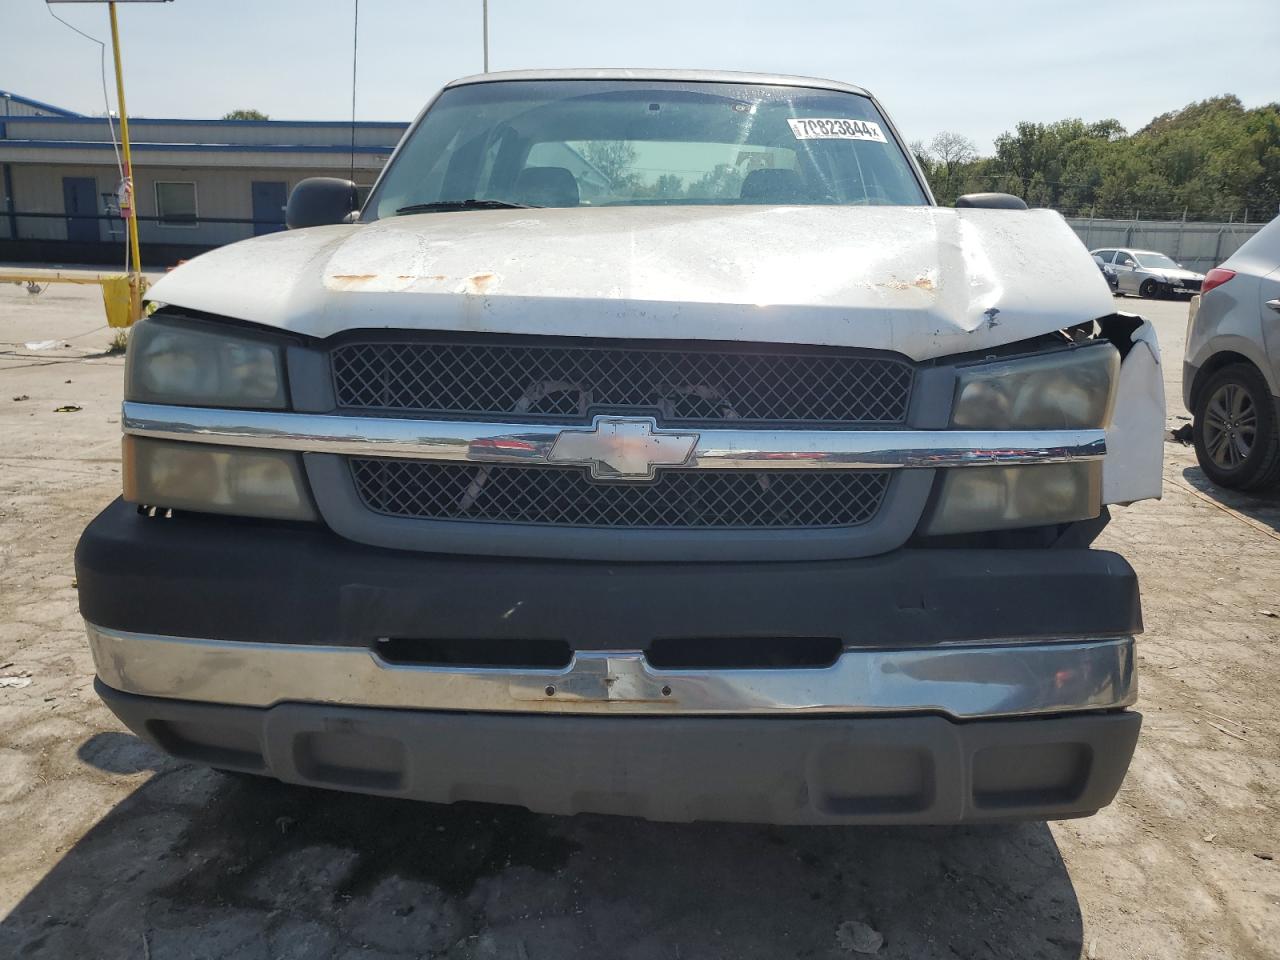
1231	372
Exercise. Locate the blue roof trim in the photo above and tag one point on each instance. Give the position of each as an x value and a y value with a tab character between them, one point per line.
336	124
62	112
340	148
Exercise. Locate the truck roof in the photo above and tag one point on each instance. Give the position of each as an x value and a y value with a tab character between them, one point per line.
687	76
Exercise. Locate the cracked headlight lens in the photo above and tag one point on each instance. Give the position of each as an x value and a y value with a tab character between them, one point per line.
199	366
1064	390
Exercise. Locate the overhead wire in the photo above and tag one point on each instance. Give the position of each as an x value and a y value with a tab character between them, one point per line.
106	103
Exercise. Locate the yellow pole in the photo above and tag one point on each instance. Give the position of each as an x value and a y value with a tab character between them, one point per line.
135	277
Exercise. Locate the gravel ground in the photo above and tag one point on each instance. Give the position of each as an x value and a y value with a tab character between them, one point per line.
108	849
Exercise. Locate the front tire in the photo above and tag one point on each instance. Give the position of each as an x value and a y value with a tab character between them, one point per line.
1149	289
1235	429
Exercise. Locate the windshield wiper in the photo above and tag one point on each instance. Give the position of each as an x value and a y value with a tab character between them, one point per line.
472	204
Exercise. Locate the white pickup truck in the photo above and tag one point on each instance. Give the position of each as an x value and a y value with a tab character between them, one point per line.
649	442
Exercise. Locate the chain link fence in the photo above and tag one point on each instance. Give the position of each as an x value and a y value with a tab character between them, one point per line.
1197	246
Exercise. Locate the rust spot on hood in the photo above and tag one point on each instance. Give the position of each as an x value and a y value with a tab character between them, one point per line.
383	283
345	281
478	283
922	282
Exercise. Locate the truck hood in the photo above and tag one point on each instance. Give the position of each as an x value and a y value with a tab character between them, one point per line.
921	281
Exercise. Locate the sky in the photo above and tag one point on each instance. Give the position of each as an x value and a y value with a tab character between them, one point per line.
975	68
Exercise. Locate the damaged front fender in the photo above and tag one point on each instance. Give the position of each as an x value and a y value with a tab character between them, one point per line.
1133	468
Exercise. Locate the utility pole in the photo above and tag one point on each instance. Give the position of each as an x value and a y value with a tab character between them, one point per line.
136	283
135	275
484	4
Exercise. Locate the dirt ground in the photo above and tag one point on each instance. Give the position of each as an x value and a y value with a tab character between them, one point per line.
108	849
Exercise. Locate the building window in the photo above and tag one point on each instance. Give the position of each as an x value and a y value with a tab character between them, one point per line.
176	204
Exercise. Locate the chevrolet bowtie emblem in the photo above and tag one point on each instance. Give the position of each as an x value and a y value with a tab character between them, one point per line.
623	448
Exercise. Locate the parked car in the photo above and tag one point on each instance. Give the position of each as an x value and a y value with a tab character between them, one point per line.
1231	370
1108	273
649	443
1146	273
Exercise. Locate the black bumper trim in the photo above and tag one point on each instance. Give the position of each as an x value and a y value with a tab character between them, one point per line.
242	580
837	770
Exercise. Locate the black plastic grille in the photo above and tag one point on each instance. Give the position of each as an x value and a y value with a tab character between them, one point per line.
568	382
567	497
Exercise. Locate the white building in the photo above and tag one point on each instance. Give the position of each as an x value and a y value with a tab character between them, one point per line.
197	183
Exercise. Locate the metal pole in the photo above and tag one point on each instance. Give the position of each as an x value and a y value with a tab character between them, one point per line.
1217	246
485	8
135	277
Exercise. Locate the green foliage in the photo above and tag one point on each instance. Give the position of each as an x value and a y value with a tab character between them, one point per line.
724	181
245	115
1212	159
613	158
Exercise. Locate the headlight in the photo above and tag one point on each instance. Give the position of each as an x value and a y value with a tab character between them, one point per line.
1001	498
1064	390
211	479
180	364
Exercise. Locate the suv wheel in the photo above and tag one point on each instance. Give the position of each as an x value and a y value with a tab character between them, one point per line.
1148	288
1235	429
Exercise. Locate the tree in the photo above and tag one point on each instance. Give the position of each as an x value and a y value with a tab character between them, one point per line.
950	152
921	153
669	186
246	115
722	182
613	158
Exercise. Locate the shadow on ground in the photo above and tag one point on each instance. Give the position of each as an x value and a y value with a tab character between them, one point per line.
1262	506
196	864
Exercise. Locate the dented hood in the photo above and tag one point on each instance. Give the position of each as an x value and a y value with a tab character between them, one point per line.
922	281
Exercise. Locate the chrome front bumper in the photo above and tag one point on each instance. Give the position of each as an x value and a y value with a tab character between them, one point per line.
962	681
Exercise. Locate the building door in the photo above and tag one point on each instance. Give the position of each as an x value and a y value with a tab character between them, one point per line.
269	199
80	201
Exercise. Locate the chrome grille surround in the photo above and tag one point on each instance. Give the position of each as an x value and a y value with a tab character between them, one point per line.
331	440
696	383
720	448
567	497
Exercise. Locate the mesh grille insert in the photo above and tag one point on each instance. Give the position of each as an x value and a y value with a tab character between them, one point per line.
567	497
681	385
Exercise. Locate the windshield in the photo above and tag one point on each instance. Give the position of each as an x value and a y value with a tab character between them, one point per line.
571	143
1157	260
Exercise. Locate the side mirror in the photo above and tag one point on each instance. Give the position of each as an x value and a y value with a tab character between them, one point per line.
992	201
319	201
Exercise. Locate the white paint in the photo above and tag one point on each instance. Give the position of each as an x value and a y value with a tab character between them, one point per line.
1133	468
